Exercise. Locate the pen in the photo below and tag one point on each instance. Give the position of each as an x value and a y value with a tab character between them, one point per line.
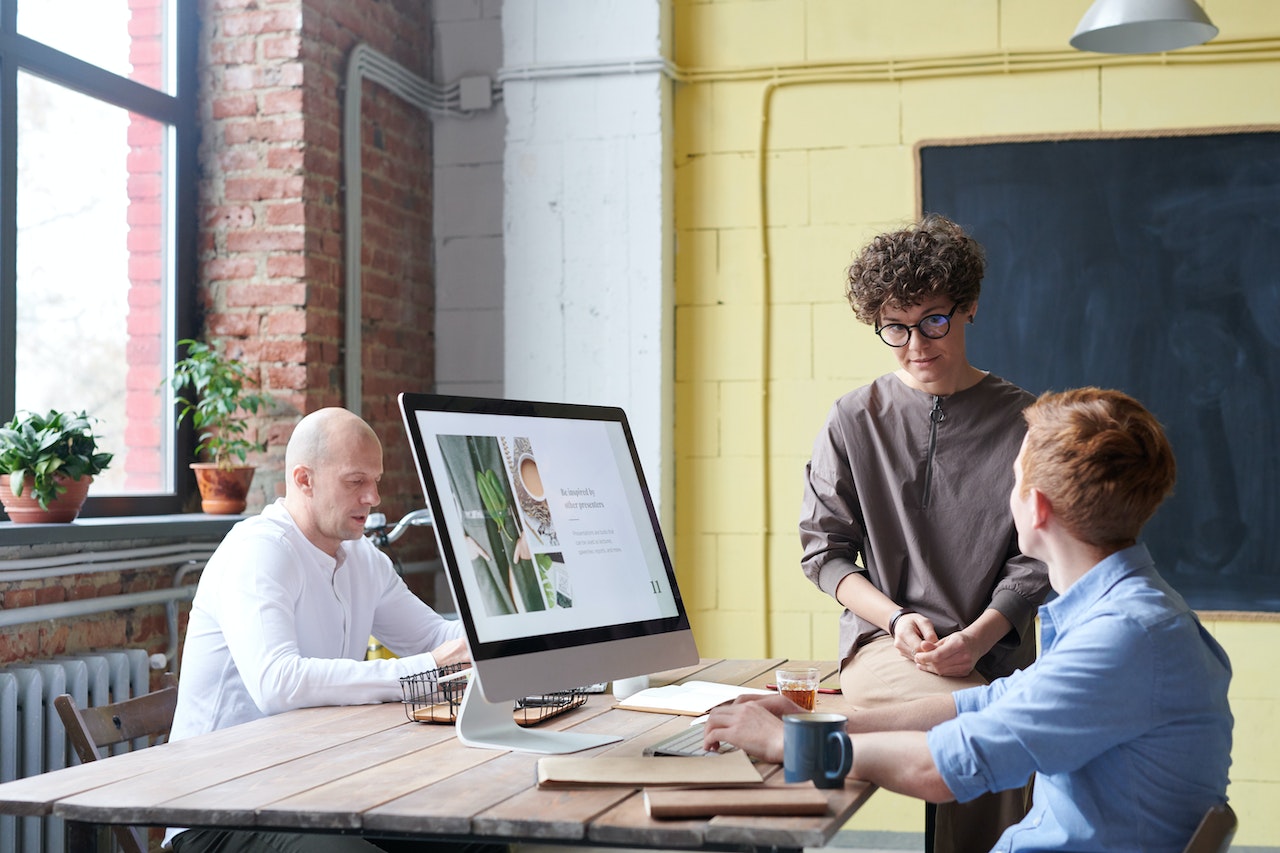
832	691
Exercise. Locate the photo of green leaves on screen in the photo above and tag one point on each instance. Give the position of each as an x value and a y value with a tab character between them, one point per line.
513	570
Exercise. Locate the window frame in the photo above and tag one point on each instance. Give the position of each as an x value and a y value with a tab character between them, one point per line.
19	53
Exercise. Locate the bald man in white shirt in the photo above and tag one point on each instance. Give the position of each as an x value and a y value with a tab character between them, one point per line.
285	607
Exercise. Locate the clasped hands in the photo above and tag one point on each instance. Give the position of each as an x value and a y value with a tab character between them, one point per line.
955	655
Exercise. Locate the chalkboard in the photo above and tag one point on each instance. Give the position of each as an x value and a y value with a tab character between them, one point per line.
1152	265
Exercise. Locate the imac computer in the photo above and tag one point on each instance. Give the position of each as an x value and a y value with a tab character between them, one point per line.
554	555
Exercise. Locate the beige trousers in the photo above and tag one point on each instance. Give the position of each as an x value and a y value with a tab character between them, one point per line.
878	675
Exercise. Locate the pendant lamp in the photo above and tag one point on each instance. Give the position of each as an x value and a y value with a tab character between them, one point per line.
1142	26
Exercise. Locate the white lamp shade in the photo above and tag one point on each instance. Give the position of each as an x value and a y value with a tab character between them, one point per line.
1142	26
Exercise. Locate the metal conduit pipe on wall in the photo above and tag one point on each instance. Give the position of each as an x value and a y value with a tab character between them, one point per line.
92	562
84	606
367	63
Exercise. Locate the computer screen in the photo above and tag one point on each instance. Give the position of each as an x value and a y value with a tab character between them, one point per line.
552	547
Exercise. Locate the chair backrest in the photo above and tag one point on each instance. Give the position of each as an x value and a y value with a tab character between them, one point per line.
92	730
1214	834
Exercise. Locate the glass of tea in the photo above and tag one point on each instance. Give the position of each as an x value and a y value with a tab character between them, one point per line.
800	685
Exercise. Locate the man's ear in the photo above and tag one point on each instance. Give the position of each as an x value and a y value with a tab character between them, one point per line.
1041	508
303	478
972	310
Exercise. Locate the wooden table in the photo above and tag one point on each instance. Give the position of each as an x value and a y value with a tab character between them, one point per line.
366	769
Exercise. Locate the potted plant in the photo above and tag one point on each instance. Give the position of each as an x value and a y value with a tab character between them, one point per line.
215	391
46	465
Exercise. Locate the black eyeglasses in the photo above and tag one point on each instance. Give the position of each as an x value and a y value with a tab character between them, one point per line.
933	326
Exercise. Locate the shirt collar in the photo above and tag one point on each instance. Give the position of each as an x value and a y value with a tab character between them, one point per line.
1073	606
277	512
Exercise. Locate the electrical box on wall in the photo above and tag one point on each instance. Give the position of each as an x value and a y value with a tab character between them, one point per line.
474	93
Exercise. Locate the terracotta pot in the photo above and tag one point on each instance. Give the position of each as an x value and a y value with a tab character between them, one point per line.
27	510
223	491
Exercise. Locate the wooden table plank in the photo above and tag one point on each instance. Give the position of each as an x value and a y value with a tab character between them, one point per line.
448	806
240	800
548	815
35	795
341	803
368	769
344	802
227	754
511	807
684	673
751	673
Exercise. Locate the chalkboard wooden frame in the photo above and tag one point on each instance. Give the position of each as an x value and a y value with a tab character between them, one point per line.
1148	262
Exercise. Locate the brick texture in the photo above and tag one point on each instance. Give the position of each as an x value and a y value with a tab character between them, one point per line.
145	324
271	212
270	280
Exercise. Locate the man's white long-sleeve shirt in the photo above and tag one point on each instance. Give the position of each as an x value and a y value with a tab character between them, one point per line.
277	624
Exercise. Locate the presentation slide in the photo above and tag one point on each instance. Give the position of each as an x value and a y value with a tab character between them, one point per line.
548	523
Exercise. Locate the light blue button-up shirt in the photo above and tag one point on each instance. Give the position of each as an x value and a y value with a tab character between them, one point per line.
1123	719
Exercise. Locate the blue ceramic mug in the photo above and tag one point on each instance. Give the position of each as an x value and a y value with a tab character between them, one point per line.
816	746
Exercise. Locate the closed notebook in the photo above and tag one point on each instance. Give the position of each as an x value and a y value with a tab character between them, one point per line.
708	771
709	802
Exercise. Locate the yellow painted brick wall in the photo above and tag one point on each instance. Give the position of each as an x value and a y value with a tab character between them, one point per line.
765	343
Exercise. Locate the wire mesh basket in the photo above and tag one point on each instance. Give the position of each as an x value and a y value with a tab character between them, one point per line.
429	699
532	710
433	697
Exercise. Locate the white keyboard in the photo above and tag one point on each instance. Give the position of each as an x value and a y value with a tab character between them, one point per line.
685	743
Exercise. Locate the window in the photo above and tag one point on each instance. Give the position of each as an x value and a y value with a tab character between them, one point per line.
97	227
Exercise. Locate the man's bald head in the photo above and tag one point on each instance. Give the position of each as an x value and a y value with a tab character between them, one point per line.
333	463
318	433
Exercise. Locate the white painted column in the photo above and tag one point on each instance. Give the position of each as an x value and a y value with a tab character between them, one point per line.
587	214
468	153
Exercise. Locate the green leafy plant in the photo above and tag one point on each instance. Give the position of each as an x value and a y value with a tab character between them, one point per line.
40	447
216	393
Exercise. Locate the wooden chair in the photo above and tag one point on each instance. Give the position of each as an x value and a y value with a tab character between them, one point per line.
94	729
1214	834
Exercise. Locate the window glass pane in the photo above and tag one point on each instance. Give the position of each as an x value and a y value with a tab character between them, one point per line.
93	280
126	37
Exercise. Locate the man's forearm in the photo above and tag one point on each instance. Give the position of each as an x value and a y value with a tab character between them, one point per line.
899	762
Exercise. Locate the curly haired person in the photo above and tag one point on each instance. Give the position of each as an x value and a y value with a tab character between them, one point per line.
905	519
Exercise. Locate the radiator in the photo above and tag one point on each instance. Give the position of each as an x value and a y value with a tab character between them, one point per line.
32	739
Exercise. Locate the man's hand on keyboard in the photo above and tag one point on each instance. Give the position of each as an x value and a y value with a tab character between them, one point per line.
753	723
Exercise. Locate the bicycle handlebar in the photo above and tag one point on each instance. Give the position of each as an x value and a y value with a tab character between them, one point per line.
376	525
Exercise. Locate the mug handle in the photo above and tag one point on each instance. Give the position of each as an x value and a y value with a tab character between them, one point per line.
844	746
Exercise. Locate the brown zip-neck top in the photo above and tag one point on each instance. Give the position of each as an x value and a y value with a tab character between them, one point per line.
913	490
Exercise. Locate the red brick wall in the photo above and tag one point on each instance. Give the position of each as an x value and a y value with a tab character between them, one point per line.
270	278
146	322
271	212
142	627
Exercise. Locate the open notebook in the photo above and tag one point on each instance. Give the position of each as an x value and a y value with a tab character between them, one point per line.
692	698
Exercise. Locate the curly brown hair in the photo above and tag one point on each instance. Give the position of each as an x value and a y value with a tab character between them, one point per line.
1103	461
904	268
